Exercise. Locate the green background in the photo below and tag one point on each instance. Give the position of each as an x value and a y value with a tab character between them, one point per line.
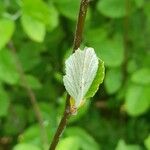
36	37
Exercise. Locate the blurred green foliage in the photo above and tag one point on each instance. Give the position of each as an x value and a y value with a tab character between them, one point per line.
42	31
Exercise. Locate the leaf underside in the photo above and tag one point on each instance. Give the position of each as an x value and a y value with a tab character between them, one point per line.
81	69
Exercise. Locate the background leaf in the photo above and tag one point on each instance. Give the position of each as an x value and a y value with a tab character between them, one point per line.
25	147
123	146
29	23
113	80
112	8
86	141
68	143
137	100
7	27
147	142
8	72
142	76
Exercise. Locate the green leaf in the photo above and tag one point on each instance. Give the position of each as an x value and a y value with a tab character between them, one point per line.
97	81
32	9
67	6
90	37
137	100
31	135
53	21
132	66
112	8
141	76
2	7
8	71
113	80
87	142
69	143
4	102
123	146
146	10
111	51
26	146
139	3
30	60
147	142
34	28
7	27
45	14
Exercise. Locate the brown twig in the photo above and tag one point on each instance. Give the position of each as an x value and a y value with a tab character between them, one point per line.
31	96
76	45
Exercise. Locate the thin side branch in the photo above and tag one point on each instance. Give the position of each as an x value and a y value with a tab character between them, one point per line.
76	45
31	96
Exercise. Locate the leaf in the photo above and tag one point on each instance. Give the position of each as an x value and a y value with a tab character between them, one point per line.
147	142
111	51
45	14
141	76
31	135
62	6
34	28
139	3
26	146
4	102
87	142
67	6
123	146
113	80
97	81
8	71
112	8
32	9
146	10
81	68
71	142
7	27
92	39
29	60
137	100
53	20
132	66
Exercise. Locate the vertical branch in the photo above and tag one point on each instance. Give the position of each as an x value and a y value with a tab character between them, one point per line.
31	96
125	37
80	24
76	45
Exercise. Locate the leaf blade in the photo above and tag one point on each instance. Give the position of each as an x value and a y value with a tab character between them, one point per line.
97	81
81	68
